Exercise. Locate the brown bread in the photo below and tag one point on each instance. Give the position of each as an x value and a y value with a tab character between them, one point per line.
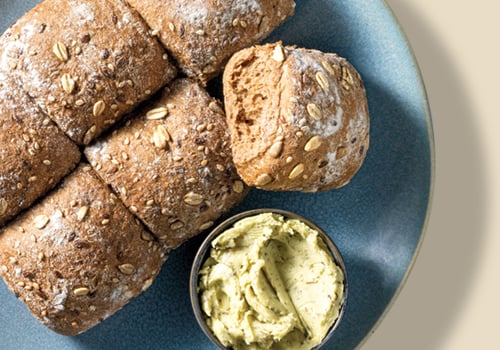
298	118
171	164
201	35
78	256
34	153
85	62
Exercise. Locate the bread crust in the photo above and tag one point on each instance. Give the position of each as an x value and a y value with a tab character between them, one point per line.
201	35
298	118
34	153
171	163
85	62
78	256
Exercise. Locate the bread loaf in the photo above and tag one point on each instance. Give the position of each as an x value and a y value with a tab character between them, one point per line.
84	62
298	118
78	256
171	164
34	153
201	35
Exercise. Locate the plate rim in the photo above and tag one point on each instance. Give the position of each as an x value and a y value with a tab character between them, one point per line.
432	174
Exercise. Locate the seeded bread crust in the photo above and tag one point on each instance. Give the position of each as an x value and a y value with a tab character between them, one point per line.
34	153
85	62
171	164
298	118
78	256
201	35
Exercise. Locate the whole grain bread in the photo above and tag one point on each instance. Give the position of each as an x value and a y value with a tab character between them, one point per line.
171	164
78	256
298	118
201	35
34	153
84	62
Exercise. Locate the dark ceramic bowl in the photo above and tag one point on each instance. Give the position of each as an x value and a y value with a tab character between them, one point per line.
204	252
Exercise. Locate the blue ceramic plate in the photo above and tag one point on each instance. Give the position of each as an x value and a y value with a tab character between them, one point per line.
377	221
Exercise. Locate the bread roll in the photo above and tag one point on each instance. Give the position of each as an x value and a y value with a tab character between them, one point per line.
34	153
78	256
171	164
85	62
298	118
201	35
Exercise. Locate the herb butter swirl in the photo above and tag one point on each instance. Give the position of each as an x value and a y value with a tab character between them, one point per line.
270	283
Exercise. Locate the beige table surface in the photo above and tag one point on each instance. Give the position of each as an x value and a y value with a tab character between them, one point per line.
451	300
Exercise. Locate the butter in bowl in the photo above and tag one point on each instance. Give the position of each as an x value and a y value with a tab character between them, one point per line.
268	279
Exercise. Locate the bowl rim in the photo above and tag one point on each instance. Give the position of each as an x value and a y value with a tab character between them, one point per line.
204	250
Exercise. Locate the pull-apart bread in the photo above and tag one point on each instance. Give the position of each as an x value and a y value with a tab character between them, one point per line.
34	153
76	245
201	35
171	164
84	62
78	256
298	118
